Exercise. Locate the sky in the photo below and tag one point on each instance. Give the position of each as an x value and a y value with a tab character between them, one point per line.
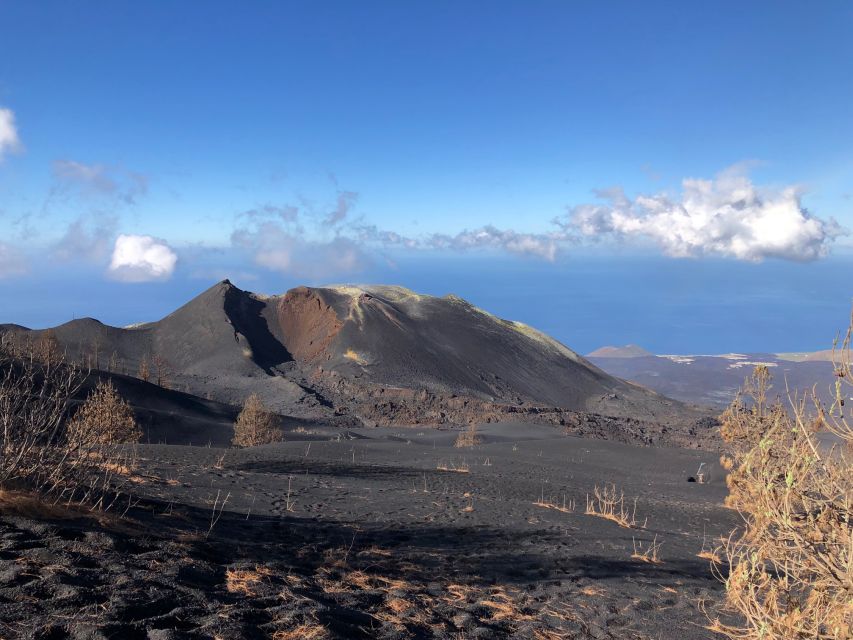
671	175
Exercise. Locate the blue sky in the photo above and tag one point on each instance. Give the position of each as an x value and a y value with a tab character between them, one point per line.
149	149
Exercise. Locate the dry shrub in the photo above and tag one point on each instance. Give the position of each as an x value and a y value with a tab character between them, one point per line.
468	438
144	372
104	418
609	504
256	425
790	573
36	452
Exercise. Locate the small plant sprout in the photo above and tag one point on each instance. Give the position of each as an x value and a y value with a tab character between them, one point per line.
647	552
289	503
216	512
470	506
708	552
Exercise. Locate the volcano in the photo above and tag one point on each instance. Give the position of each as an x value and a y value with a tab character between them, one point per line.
373	355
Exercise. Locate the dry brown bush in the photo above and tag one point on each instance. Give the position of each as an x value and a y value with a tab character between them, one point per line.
36	454
104	418
144	372
256	424
468	438
162	371
789	565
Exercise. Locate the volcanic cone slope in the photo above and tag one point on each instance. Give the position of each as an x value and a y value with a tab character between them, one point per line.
318	352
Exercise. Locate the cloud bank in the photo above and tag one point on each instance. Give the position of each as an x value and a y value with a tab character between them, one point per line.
319	243
9	140
142	259
727	216
538	245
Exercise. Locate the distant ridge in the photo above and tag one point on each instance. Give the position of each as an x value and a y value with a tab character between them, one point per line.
827	355
628	351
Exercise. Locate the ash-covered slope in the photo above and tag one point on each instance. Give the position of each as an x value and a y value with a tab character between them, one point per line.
393	337
375	354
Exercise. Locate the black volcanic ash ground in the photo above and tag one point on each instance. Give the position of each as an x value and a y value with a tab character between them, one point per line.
375	541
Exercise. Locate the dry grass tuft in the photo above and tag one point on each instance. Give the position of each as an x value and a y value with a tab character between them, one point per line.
355	356
358	579
709	552
458	594
551	634
552	502
398	605
711	555
31	505
647	552
302	632
245	581
461	467
504	606
375	551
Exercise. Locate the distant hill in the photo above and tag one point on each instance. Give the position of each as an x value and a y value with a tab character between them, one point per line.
367	354
715	379
628	351
827	355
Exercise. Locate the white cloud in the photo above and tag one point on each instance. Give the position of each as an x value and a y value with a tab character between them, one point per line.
9	140
142	259
12	263
728	216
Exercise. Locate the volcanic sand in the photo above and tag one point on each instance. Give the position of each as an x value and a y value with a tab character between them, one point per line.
375	533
